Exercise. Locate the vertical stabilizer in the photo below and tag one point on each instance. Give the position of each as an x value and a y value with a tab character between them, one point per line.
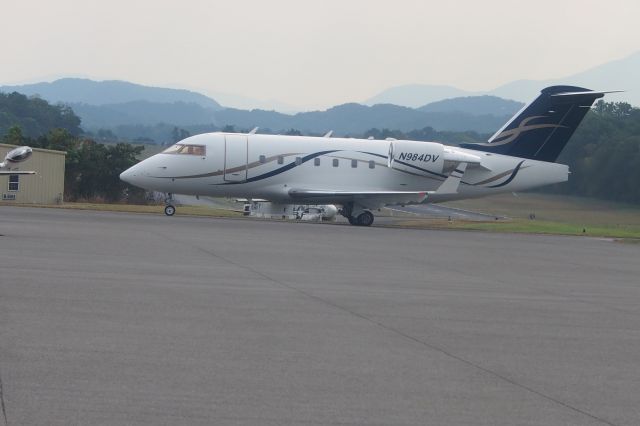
541	129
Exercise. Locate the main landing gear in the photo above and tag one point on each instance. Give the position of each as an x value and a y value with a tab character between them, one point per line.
169	208
356	216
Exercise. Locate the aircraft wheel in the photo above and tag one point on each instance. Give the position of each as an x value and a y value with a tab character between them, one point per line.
169	210
365	218
352	220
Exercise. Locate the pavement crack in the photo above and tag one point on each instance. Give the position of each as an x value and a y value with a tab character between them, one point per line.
398	332
2	404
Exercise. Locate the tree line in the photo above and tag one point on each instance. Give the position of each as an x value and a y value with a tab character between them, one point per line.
603	154
35	116
92	170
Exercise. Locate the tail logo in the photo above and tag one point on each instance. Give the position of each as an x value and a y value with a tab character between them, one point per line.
510	135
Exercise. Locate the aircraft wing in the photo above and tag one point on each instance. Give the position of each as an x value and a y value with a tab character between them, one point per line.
376	199
370	199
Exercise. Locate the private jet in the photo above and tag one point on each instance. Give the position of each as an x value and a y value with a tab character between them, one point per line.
16	155
362	175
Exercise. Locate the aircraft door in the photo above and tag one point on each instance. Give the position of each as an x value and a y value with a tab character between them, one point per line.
235	158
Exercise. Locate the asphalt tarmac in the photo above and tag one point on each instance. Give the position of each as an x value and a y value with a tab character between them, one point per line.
125	319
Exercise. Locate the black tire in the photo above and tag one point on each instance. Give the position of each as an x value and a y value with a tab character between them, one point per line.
169	210
365	219
352	220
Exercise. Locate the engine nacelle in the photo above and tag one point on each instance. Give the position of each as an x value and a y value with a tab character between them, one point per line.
416	157
329	212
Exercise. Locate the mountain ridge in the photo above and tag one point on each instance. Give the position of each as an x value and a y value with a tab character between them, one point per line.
621	73
488	104
117	104
111	104
92	92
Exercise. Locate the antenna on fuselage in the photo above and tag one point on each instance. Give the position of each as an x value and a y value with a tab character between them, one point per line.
253	131
328	134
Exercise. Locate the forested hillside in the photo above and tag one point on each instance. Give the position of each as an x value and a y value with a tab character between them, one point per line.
490	105
355	118
604	154
92	170
428	134
136	112
35	116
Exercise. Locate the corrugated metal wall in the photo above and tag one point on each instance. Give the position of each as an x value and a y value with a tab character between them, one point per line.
45	187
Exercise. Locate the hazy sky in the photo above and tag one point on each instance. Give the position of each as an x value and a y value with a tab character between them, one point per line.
312	53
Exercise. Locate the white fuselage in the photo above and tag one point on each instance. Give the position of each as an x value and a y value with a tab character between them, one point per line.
270	166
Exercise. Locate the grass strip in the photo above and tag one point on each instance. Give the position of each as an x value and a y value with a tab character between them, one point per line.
134	208
525	226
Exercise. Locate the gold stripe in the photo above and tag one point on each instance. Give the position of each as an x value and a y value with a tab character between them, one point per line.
512	134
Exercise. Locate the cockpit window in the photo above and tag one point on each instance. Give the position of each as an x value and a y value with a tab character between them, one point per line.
181	148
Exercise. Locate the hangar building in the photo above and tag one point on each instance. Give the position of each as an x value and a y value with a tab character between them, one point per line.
45	187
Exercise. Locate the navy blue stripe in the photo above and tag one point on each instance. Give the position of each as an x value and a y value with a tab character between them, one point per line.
281	169
421	169
513	175
373	153
405	164
415	167
317	154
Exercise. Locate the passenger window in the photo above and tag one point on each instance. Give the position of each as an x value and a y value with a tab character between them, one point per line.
280	159
335	162
316	161
372	164
298	161
263	159
354	163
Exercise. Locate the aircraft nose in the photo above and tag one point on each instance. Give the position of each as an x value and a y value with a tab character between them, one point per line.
139	174
129	175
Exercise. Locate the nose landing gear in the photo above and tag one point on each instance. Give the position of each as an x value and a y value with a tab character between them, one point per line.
169	208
